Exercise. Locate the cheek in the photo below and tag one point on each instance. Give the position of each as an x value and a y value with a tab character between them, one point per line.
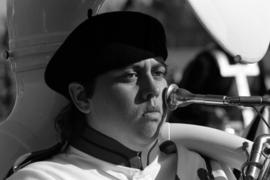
123	100
114	103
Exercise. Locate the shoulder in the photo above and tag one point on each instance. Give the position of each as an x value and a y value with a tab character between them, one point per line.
42	170
169	146
190	164
62	166
184	154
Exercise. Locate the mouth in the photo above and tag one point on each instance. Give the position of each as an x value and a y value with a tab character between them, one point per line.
152	113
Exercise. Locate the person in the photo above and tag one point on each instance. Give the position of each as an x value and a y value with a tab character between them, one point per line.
112	69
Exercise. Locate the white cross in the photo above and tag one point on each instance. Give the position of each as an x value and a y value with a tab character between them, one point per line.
240	72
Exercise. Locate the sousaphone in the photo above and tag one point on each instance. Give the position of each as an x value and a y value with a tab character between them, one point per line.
36	28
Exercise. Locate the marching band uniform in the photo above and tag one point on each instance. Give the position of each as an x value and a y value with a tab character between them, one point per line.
96	156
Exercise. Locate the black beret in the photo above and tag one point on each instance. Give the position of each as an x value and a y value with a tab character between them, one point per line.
102	43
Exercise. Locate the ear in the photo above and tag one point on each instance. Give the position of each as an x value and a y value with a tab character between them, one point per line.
79	97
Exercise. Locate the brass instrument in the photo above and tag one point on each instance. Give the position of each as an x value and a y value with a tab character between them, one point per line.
258	167
36	28
257	163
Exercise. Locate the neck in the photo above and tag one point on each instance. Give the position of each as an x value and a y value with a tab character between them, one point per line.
96	144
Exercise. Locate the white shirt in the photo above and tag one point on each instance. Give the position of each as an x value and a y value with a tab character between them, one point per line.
76	165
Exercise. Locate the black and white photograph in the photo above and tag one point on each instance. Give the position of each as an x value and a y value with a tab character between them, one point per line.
134	89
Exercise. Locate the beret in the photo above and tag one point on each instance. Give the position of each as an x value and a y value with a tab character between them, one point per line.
102	43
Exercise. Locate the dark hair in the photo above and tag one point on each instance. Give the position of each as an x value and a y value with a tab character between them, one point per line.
70	121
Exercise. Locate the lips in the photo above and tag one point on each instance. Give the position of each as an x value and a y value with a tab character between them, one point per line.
152	112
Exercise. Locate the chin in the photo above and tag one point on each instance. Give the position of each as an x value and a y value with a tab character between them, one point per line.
149	132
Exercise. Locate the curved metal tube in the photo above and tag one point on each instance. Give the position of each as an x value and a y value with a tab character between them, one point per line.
214	143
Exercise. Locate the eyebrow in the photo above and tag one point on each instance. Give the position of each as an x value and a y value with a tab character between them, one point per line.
158	64
162	63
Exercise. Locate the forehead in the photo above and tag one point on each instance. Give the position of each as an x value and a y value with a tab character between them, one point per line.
150	62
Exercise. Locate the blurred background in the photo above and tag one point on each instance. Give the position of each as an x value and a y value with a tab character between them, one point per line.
7	83
185	38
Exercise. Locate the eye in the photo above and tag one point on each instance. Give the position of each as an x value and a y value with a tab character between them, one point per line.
159	72
130	76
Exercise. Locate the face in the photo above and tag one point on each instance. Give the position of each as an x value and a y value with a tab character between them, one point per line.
127	103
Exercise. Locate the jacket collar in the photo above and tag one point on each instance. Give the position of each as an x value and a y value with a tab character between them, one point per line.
94	143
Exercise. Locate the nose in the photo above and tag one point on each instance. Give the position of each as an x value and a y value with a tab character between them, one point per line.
151	89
